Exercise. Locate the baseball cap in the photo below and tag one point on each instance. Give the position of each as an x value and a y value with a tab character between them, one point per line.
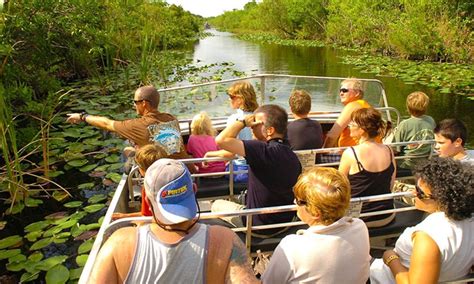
169	187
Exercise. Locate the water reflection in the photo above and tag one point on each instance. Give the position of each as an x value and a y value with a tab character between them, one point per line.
322	61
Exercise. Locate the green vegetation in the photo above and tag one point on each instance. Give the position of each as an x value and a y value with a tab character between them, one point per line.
438	30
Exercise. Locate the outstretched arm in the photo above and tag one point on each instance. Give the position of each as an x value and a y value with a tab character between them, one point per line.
94	120
340	124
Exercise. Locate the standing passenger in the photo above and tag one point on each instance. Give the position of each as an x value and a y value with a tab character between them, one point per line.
351	95
370	165
303	133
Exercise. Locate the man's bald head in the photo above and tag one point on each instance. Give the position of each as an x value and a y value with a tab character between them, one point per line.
149	94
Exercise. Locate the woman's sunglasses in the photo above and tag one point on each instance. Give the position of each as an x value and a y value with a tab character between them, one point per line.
420	194
300	202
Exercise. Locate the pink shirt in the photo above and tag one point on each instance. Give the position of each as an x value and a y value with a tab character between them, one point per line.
198	146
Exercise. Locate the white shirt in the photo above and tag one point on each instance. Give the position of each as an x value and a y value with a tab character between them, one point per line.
469	158
338	253
455	240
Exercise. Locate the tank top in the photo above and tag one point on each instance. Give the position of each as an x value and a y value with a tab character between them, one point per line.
366	183
158	262
345	139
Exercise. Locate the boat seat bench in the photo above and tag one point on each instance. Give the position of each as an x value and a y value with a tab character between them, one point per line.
215	187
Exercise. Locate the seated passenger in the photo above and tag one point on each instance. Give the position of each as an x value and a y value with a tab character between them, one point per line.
441	247
144	158
244	100
335	248
202	141
303	133
416	128
351	95
174	248
274	167
450	137
370	165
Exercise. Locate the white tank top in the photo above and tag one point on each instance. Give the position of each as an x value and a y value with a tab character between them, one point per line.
158	262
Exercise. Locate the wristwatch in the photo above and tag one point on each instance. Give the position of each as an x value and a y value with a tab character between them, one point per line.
83	116
243	121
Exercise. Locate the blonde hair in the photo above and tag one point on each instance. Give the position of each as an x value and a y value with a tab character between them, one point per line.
148	154
244	90
202	125
417	103
355	84
300	102
327	192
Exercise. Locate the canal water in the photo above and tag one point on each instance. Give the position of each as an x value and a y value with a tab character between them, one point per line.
254	58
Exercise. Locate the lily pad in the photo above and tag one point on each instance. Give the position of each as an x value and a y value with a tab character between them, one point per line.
53	174
57	215
27	276
72	204
36	256
97	198
88	168
48	263
60	195
74	274
10	241
72	132
94	208
15	266
31	202
87	185
57	275
115	177
17	258
115	166
102	168
33	236
41	244
112	159
81	259
85	246
4	254
77	163
100	156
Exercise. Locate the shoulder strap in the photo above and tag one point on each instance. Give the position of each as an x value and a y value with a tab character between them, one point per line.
361	168
391	155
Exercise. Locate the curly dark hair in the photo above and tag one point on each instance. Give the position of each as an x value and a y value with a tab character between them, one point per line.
452	185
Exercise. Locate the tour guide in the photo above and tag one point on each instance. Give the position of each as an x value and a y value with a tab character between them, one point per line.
146	101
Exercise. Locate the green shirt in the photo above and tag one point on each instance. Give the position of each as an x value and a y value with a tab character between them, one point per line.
414	129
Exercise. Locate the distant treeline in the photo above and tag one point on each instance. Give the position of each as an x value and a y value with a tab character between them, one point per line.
46	44
436	30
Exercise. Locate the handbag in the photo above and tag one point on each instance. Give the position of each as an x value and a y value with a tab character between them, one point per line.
239	165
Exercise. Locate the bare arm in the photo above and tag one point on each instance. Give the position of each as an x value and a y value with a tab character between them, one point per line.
425	263
239	269
227	139
94	120
345	163
114	258
219	153
340	124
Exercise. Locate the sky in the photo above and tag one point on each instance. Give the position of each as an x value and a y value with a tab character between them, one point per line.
209	8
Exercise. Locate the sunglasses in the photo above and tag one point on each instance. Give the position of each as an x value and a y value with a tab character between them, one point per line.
300	202
343	90
420	194
352	124
138	101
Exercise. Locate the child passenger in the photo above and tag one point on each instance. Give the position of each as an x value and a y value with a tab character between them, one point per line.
303	133
418	127
450	137
202	141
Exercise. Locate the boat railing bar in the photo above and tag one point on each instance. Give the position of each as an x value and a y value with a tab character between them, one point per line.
132	177
264	76
354	211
